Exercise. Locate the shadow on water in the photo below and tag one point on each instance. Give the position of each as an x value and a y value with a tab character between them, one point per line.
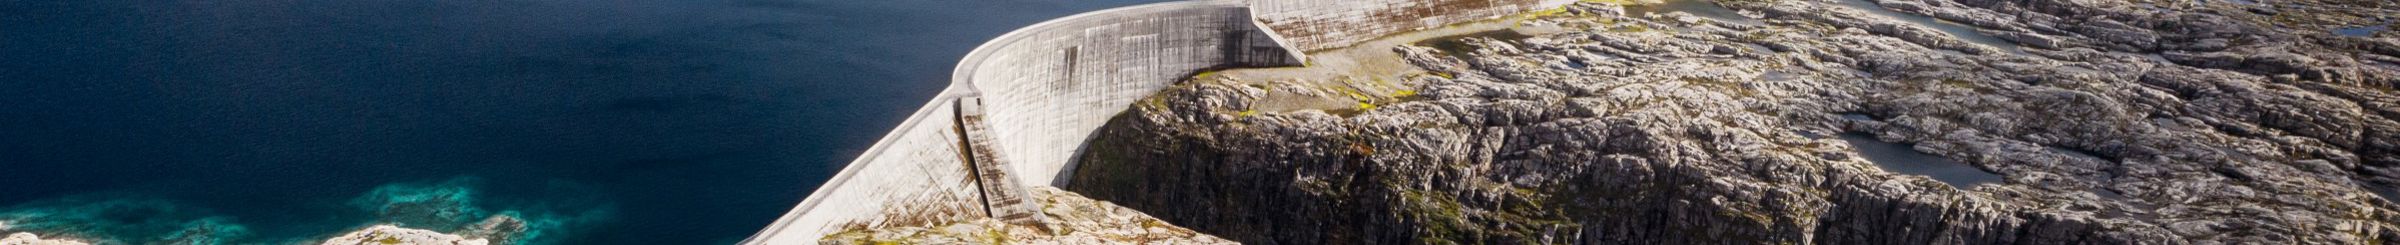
1901	158
1705	9
1857	117
2388	193
2080	153
1960	31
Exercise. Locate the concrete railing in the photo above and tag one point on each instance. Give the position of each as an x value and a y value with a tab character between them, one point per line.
1046	88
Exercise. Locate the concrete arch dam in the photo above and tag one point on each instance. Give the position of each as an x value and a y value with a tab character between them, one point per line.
1022	105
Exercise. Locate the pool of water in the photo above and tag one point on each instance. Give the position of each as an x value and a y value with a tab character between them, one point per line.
602	122
2388	193
1700	8
1858	117
2361	31
2078	153
1960	31
1902	158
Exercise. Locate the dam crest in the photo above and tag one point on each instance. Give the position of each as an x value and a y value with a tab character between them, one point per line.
1021	106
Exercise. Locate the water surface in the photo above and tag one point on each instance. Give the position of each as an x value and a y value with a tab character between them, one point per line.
2361	31
1904	158
1956	30
603	121
1702	8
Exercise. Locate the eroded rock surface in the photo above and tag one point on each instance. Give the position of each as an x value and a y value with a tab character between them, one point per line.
1073	219
2159	122
387	234
497	229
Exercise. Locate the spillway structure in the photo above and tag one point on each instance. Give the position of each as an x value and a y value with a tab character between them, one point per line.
1021	106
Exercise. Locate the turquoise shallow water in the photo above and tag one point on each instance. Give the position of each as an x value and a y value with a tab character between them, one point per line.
599	121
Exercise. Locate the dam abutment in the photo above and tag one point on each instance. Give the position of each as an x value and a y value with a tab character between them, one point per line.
1021	106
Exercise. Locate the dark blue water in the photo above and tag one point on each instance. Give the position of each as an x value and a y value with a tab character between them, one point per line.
598	121
1904	158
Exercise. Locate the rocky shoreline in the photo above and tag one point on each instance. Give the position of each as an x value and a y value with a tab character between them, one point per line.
2174	122
22	238
498	229
1073	219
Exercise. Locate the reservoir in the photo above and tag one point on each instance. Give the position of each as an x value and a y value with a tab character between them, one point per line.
597	122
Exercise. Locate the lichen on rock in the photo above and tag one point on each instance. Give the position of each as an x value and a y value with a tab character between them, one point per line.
2111	122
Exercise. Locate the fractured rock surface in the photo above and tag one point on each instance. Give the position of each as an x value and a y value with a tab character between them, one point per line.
22	238
2174	122
498	229
387	234
1070	219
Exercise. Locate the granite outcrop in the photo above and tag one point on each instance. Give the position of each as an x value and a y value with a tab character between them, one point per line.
22	238
1074	219
2144	122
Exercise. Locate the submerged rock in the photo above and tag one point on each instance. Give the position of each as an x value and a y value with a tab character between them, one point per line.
2168	123
22	238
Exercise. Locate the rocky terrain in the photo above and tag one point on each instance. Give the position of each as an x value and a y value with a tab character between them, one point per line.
499	229
386	234
1073	218
2109	121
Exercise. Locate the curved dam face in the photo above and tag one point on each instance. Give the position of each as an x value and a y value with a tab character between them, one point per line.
1041	91
1021	106
1049	86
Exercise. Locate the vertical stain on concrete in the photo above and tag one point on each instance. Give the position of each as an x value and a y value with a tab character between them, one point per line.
1022	105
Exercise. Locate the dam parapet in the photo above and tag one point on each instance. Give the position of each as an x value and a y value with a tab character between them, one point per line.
1021	106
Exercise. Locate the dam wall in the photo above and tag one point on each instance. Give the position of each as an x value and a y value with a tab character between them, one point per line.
1020	107
1325	24
1048	87
1038	93
914	175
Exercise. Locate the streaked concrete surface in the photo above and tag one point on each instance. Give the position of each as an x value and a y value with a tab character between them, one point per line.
1021	106
1048	87
1043	90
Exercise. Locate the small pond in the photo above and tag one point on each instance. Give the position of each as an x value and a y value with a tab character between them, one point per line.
1700	8
1903	158
1960	31
2360	31
2388	193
